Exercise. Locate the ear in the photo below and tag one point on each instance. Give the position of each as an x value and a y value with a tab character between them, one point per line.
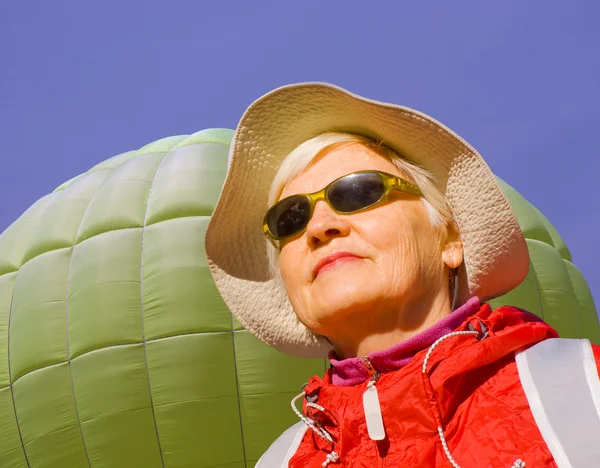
452	253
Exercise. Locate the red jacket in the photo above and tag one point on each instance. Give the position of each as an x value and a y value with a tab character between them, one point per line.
470	388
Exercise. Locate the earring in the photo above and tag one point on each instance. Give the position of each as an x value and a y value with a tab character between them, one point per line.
455	294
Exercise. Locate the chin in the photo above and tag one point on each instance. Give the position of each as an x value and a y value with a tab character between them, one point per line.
340	300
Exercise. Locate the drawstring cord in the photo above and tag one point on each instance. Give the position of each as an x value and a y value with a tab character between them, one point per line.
438	341
424	371
331	458
309	422
480	335
316	427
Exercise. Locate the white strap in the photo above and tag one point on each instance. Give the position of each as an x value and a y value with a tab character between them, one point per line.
560	379
283	449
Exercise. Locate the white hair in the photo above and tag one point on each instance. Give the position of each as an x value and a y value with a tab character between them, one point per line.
438	211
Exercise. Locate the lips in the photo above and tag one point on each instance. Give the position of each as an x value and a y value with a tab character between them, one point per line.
333	258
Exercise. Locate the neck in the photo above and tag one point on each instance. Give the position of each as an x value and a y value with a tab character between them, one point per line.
363	334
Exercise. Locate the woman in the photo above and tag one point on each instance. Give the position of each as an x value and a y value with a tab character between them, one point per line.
372	234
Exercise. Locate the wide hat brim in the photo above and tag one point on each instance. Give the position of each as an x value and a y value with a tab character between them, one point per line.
496	259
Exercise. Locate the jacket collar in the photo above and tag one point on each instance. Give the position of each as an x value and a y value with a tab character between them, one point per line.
352	371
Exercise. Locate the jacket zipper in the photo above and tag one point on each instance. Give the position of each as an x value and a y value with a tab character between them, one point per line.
368	365
372	409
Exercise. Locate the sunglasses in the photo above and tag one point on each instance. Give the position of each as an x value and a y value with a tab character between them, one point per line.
348	194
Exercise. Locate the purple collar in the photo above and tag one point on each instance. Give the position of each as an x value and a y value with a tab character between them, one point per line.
352	371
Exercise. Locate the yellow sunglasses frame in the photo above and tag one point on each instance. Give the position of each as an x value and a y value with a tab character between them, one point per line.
390	182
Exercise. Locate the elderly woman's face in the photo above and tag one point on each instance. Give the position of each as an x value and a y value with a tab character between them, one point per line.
380	259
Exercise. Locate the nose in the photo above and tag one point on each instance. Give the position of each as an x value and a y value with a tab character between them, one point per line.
325	225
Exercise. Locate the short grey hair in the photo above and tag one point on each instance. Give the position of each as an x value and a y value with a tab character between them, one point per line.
435	203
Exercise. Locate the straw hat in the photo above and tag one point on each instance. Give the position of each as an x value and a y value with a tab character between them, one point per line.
495	253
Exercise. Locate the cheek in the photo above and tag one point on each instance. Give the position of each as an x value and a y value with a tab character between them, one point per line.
284	261
287	265
290	265
409	245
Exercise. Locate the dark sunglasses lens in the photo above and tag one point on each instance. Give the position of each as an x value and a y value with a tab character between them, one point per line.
356	192
289	216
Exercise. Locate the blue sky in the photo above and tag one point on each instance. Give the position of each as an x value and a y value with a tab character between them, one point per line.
84	81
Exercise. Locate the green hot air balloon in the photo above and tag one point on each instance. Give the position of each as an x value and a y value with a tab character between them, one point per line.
554	289
116	349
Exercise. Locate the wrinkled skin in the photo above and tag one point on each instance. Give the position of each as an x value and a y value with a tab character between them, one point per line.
398	286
